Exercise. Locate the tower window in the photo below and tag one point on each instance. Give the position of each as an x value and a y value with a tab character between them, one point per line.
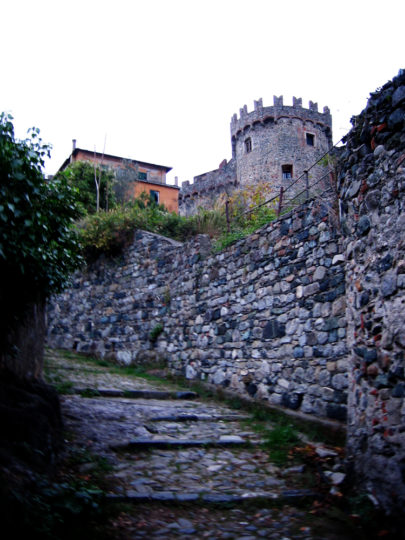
248	145
154	195
310	139
287	172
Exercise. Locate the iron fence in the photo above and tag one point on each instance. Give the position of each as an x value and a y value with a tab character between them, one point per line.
307	193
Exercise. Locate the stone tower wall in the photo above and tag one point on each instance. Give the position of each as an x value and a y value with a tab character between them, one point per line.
207	188
262	142
269	137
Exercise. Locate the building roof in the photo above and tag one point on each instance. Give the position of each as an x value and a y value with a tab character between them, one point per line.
170	186
109	156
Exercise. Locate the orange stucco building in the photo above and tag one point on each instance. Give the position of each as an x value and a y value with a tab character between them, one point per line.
147	177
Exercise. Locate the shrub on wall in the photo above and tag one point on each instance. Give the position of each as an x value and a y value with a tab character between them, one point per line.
248	210
109	232
106	233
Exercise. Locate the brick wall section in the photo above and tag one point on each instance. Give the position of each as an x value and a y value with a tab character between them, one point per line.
372	188
266	317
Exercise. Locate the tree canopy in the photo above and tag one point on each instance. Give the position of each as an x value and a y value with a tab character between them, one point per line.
81	175
38	246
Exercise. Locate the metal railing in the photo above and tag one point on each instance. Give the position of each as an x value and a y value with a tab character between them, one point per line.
280	197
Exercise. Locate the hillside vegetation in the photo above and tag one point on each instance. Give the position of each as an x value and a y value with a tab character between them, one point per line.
108	232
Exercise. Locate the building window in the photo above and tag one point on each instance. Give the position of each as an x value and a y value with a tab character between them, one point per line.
142	176
248	145
154	195
287	171
310	139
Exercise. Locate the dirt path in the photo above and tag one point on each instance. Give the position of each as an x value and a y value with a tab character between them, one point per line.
183	467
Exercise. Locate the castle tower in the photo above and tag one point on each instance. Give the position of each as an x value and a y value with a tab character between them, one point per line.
277	144
274	145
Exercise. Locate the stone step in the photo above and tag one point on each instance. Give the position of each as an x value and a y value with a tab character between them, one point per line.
198	418
175	444
55	367
292	496
134	394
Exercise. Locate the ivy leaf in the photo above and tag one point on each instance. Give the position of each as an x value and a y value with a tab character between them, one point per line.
35	214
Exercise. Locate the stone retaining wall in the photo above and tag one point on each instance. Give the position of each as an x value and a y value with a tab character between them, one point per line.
266	317
372	188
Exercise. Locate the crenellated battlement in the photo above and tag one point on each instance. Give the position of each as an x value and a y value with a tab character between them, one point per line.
261	114
274	144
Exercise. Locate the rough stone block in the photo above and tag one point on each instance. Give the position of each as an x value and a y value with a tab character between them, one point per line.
274	329
291	400
283	383
319	273
336	412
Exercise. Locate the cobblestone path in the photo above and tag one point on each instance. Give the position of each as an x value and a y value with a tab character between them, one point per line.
185	467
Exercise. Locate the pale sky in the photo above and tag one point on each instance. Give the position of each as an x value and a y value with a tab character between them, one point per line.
158	80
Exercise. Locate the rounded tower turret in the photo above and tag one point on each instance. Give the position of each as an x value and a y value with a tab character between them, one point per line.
277	144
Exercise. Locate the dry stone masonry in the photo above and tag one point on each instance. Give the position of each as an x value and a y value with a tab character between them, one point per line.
265	318
279	135
305	313
372	188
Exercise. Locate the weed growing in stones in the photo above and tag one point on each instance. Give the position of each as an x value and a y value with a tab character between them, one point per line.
64	387
262	416
280	441
155	333
89	392
235	403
